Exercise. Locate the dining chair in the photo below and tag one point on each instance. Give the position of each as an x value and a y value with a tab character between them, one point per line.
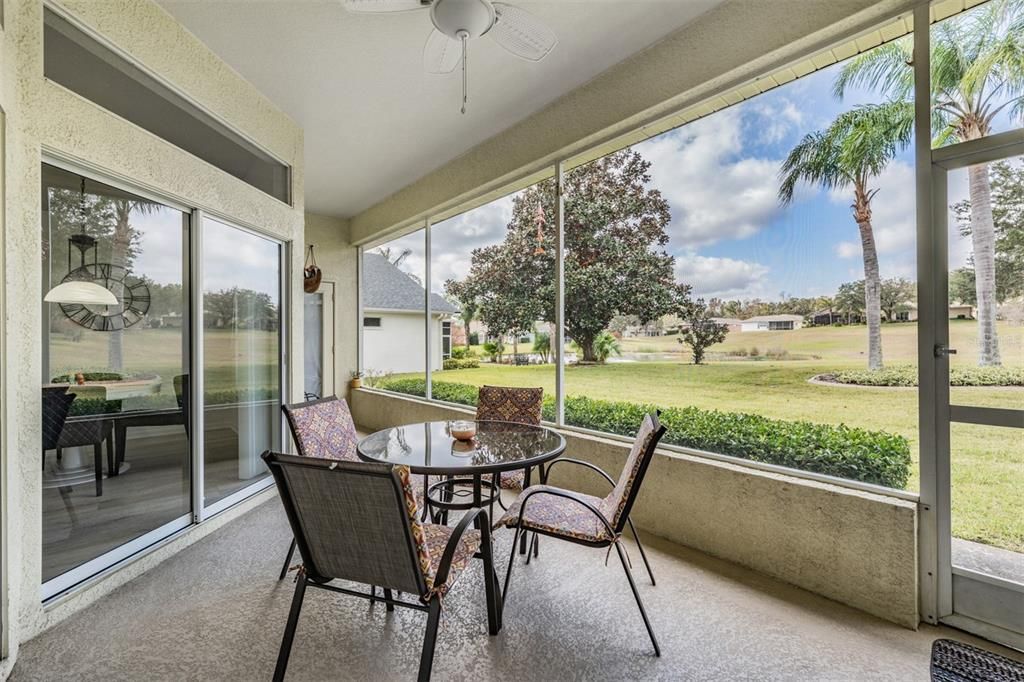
358	521
587	519
510	404
323	429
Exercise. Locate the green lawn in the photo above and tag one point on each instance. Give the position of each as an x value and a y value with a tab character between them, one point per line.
232	359
987	462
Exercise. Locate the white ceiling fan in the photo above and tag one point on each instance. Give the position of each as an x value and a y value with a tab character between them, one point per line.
456	22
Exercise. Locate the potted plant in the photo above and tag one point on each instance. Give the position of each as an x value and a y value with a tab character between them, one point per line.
357	380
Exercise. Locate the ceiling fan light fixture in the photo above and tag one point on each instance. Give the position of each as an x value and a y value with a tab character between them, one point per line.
452	17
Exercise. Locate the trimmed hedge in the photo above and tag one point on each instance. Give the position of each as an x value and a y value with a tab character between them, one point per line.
461	363
88	376
906	375
851	453
163	401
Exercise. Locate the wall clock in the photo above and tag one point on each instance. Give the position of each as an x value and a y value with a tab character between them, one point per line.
131	291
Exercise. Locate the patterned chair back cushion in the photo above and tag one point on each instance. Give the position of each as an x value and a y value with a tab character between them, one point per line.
56	405
506	404
617	504
350	520
323	428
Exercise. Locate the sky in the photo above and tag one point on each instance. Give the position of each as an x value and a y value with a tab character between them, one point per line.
231	257
729	234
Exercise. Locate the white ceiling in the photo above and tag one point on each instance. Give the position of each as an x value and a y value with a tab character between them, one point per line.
374	121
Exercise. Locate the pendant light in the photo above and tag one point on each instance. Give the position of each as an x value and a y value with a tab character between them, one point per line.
83	291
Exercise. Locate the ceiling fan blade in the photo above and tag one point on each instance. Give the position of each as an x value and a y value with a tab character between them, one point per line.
521	33
383	6
441	54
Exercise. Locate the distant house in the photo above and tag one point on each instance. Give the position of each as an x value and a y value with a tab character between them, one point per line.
733	324
772	323
957	311
824	318
394	330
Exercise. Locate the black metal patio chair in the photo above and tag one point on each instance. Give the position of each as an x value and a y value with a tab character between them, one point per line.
358	521
586	519
321	428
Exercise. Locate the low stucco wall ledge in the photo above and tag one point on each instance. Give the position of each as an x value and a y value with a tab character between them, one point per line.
855	547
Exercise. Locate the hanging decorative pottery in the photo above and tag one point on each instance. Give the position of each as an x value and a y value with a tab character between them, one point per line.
311	274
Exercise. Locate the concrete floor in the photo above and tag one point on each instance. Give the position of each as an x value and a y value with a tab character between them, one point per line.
216	612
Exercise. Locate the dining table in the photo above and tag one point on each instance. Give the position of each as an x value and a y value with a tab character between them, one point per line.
458	467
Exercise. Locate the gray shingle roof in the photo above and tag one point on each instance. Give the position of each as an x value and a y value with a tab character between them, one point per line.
386	287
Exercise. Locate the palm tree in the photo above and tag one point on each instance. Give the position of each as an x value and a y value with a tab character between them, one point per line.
393	255
828	303
851	152
977	72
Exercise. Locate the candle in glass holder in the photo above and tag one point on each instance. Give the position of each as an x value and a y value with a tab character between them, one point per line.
463	430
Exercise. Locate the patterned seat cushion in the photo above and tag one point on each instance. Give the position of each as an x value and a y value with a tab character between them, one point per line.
431	539
558	515
506	404
614	504
324	429
437	537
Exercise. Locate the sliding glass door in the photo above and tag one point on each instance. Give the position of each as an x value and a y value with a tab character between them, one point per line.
161	341
241	337
115	451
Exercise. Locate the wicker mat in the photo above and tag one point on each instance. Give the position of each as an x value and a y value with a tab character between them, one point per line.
954	661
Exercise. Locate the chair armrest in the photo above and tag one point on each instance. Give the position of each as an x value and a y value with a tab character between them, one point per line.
567	494
445	565
580	462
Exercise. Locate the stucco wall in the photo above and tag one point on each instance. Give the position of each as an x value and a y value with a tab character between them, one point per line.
44	116
854	547
337	260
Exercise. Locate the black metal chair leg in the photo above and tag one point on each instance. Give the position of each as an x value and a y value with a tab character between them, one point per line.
508	571
490	591
97	462
287	560
526	484
429	640
643	554
389	600
640	604
289	630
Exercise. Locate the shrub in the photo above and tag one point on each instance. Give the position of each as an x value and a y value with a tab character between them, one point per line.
69	378
754	352
461	353
906	375
493	350
474	338
851	453
464	363
165	401
777	354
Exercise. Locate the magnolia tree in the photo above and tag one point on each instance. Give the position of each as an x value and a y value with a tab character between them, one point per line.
615	257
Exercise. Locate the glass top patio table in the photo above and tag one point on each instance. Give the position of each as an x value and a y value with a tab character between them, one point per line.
429	448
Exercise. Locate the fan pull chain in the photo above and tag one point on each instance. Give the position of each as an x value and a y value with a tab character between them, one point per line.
465	87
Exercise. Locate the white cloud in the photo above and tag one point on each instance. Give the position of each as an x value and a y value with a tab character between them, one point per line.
776	119
723	277
713	195
452	241
848	250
